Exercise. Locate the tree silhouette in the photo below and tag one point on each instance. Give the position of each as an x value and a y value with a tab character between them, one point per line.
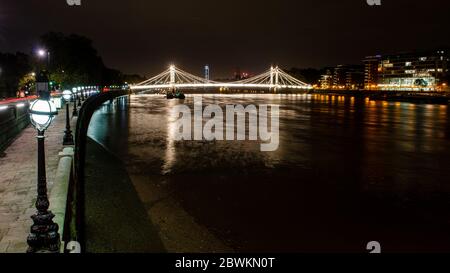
13	67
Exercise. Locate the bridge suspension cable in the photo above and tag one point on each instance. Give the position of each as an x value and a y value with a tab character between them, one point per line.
275	76
173	77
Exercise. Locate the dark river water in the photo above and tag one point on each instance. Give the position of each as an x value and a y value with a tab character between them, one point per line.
347	171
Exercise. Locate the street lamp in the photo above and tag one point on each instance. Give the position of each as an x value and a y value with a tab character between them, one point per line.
68	137
44	53
41	53
75	111
79	96
44	236
57	101
42	113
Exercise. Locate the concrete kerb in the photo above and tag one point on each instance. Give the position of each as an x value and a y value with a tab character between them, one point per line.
59	192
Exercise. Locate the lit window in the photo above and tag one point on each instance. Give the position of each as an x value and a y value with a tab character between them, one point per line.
408	64
423	59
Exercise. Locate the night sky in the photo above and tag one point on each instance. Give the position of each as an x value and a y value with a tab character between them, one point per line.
145	36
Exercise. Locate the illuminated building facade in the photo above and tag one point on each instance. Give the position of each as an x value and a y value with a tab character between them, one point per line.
418	71
349	77
371	65
326	80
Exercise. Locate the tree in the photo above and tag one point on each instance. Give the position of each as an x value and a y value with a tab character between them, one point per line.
13	68
73	59
27	82
73	62
308	75
133	79
111	77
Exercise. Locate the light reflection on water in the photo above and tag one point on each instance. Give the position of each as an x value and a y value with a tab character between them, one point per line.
170	155
366	167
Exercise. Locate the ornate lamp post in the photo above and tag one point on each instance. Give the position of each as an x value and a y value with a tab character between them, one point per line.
79	96
68	137
44	236
81	93
74	98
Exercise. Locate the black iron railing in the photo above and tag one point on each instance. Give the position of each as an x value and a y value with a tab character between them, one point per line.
76	198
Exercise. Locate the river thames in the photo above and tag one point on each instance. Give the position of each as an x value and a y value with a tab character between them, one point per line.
347	171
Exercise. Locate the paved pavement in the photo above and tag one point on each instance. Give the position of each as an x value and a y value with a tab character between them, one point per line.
18	178
127	229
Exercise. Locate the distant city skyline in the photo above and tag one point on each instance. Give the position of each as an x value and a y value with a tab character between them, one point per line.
146	37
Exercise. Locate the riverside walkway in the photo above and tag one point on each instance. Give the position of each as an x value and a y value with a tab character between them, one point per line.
18	181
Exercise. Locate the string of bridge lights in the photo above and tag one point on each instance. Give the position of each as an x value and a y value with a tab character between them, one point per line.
174	77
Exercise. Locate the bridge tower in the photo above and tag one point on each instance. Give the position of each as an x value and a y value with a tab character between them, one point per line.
277	76
271	75
274	77
172	74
